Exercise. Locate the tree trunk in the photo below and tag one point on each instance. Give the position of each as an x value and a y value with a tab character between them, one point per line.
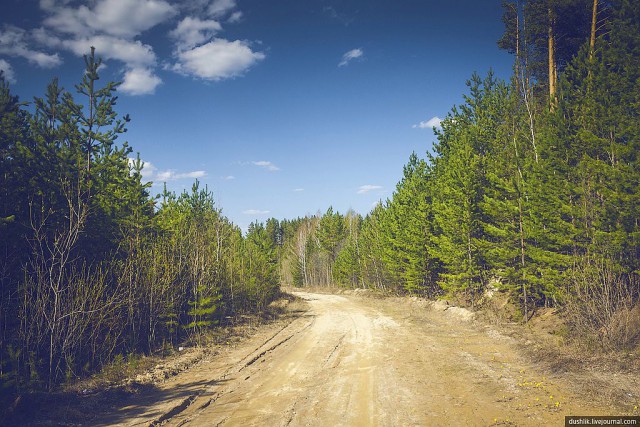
518	65
522	259
553	69
592	39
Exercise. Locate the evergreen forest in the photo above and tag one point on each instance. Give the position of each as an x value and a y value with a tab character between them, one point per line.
532	191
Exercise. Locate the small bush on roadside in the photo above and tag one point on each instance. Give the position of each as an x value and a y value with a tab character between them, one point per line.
604	310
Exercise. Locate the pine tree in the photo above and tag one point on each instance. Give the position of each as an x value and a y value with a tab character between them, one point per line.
262	270
348	264
14	250
372	244
464	144
407	229
600	92
545	35
331	234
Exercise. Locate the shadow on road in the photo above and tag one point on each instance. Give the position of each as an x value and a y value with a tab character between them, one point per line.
106	408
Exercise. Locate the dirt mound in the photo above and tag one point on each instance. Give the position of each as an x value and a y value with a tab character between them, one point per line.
450	311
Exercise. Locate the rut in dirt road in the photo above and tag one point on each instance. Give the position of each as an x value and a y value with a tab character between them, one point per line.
352	362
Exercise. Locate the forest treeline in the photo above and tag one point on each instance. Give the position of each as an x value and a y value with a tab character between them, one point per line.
532	189
92	266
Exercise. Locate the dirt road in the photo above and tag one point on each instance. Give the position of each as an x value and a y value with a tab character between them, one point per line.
352	361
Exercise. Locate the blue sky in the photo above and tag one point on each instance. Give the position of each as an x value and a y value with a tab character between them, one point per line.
281	108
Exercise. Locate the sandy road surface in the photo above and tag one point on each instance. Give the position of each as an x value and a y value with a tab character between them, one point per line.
353	361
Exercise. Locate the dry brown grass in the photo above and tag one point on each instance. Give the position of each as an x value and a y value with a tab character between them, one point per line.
603	309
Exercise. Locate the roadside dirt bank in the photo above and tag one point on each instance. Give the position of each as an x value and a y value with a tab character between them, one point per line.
347	360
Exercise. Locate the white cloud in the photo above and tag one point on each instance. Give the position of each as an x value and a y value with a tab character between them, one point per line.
15	41
194	174
235	17
45	37
110	26
194	6
139	81
172	175
68	21
191	32
338	16
115	27
133	53
47	4
42	59
217	9
220	7
255	212
351	55
363	189
167	175
298	190
121	18
219	59
148	169
433	122
8	72
229	178
128	18
267	165
150	173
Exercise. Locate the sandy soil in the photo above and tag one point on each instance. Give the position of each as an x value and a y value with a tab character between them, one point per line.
352	361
